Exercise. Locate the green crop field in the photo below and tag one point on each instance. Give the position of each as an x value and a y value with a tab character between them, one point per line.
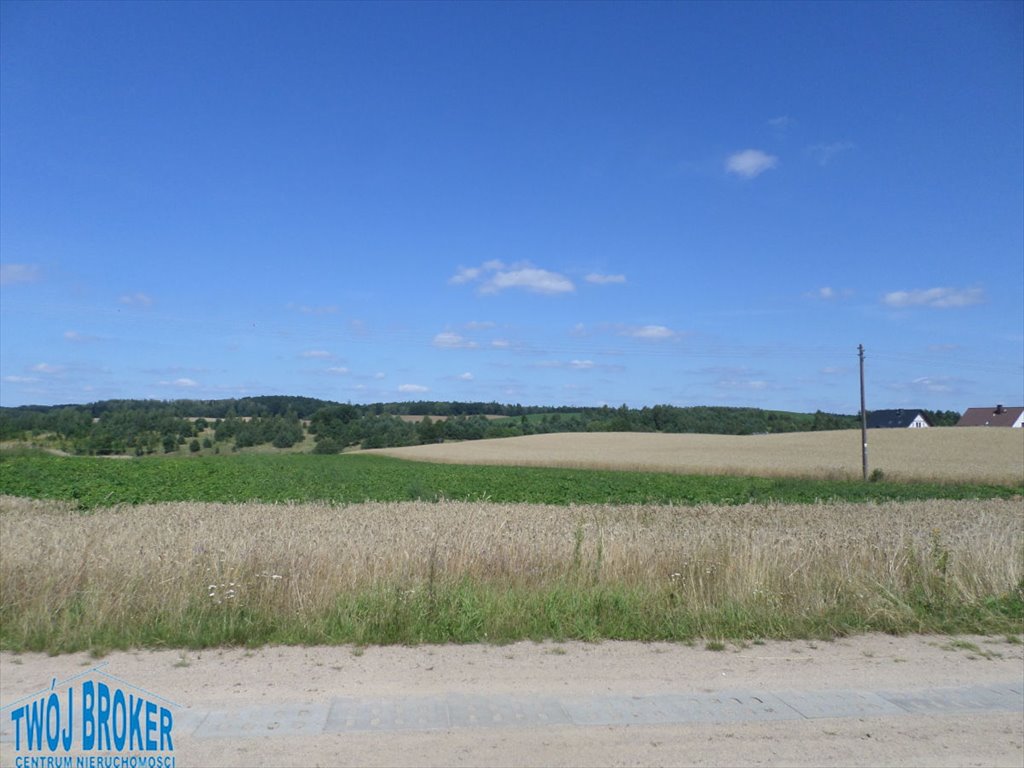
93	482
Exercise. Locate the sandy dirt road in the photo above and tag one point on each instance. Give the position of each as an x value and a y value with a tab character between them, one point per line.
284	696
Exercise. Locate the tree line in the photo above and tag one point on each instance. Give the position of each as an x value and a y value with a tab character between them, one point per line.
144	427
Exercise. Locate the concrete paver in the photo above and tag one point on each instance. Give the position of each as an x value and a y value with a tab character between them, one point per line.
462	711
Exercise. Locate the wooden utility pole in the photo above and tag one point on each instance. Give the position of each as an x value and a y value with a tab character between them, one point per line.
863	414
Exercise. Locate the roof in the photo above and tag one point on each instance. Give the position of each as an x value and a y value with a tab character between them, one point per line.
999	416
895	418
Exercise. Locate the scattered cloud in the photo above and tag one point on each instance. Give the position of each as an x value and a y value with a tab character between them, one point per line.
182	383
479	325
450	340
529	279
317	354
577	365
650	332
943	385
828	293
10	274
929	384
413	388
47	368
465	275
339	369
467	376
937	298
835	370
750	163
501	344
80	338
823	154
753	385
738	379
138	299
20	379
598	279
494	277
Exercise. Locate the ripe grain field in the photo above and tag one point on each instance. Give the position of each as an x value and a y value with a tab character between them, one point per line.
200	575
938	454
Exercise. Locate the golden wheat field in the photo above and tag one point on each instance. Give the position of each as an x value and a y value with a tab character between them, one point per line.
294	560
966	454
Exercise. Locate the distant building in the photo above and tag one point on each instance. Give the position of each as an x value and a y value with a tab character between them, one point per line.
897	419
1000	416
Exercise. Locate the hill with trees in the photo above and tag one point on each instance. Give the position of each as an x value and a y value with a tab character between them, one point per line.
145	427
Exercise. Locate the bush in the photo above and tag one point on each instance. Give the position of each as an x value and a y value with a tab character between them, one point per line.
327	445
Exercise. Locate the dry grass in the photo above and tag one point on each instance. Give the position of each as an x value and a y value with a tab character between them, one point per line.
964	454
170	563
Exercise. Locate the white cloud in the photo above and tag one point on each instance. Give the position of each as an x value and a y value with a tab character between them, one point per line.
501	343
822	154
136	299
581	365
47	368
781	122
750	163
479	325
494	277
828	293
922	385
317	354
413	388
467	376
929	384
18	273
598	279
182	383
339	369
938	298
652	332
449	340
20	379
465	275
80	338
529	279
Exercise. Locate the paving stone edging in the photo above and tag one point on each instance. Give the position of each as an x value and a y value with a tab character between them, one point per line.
456	711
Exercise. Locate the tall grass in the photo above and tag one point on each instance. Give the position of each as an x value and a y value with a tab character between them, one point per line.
196	575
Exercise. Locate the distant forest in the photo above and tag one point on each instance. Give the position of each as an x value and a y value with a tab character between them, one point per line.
145	427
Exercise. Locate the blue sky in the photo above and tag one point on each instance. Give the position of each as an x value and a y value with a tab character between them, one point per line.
540	203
